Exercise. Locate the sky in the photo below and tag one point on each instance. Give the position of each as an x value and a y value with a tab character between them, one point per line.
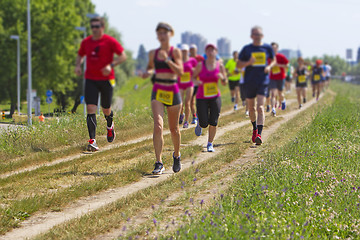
316	27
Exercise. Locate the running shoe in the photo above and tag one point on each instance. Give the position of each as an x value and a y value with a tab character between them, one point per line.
92	147
232	99
235	107
159	168
273	112
255	133
194	120
198	130
210	147
177	164
304	101
267	108
258	140
110	133
181	119
283	105
300	106
244	103
247	113
313	94
186	124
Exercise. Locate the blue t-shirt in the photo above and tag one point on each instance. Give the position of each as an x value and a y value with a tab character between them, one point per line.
255	74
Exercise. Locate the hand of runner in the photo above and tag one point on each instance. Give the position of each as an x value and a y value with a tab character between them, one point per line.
251	61
267	69
78	70
162	54
106	70
145	74
223	79
197	82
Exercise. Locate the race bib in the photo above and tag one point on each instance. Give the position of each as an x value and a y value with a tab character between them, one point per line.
185	78
316	77
275	70
210	89
302	78
260	58
165	97
112	82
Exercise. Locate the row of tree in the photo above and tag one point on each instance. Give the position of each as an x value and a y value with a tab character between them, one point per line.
55	42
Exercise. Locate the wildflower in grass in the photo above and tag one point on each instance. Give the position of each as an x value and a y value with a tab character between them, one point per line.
191	200
195	236
222	196
196	170
201	202
153	207
193	162
124	228
154	221
194	179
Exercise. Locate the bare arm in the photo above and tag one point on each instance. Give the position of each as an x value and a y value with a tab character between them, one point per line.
177	64
271	64
150	66
120	59
79	60
223	75
196	73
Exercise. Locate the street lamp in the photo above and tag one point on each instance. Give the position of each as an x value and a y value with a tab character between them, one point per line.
17	38
84	30
29	63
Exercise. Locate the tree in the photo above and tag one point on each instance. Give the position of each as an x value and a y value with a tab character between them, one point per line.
142	59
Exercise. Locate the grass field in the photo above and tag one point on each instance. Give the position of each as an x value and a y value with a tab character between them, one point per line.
307	188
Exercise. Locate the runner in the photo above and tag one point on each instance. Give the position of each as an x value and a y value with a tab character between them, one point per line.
288	78
208	100
301	75
99	49
234	76
254	58
327	70
317	76
167	63
243	92
199	58
277	79
186	85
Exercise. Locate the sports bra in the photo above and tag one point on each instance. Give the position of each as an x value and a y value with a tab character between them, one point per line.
160	65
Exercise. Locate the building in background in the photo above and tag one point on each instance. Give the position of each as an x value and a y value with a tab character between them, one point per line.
289	53
358	56
224	47
194	38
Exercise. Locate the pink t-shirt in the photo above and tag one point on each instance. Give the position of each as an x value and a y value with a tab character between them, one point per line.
209	88
184	81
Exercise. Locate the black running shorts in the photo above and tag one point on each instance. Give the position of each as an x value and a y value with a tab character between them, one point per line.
92	90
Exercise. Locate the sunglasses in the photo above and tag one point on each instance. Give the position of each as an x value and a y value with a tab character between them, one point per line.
95	26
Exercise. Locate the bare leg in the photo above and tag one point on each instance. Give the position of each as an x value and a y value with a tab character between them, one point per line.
182	93
260	109
173	118
298	93
251	105
237	94
158	140
212	132
189	92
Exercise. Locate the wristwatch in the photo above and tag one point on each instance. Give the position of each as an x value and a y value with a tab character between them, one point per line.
167	59
112	65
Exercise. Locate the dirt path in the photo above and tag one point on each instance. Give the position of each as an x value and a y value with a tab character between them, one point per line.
42	222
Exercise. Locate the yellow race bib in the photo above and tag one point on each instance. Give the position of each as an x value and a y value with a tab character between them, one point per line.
316	77
275	70
302	79
210	89
165	97
112	82
185	78
260	58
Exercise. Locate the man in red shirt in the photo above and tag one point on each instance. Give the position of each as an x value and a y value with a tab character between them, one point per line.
99	50
277	78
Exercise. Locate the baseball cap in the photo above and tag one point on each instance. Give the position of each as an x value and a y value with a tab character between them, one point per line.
184	47
193	46
319	61
210	45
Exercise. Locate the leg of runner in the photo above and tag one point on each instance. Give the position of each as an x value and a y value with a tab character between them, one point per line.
109	124
317	90
237	96
182	115
252	115
299	94
173	116
187	102
303	93
158	140
91	124
260	100
215	108
273	93
193	108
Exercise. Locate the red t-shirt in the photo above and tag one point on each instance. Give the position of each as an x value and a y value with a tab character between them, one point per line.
278	73
98	54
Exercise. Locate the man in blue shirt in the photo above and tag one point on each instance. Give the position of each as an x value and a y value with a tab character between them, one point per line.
257	58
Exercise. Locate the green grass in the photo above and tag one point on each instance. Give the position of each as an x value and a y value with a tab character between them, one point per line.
308	188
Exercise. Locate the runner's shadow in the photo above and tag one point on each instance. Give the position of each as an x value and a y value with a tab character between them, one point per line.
97	174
